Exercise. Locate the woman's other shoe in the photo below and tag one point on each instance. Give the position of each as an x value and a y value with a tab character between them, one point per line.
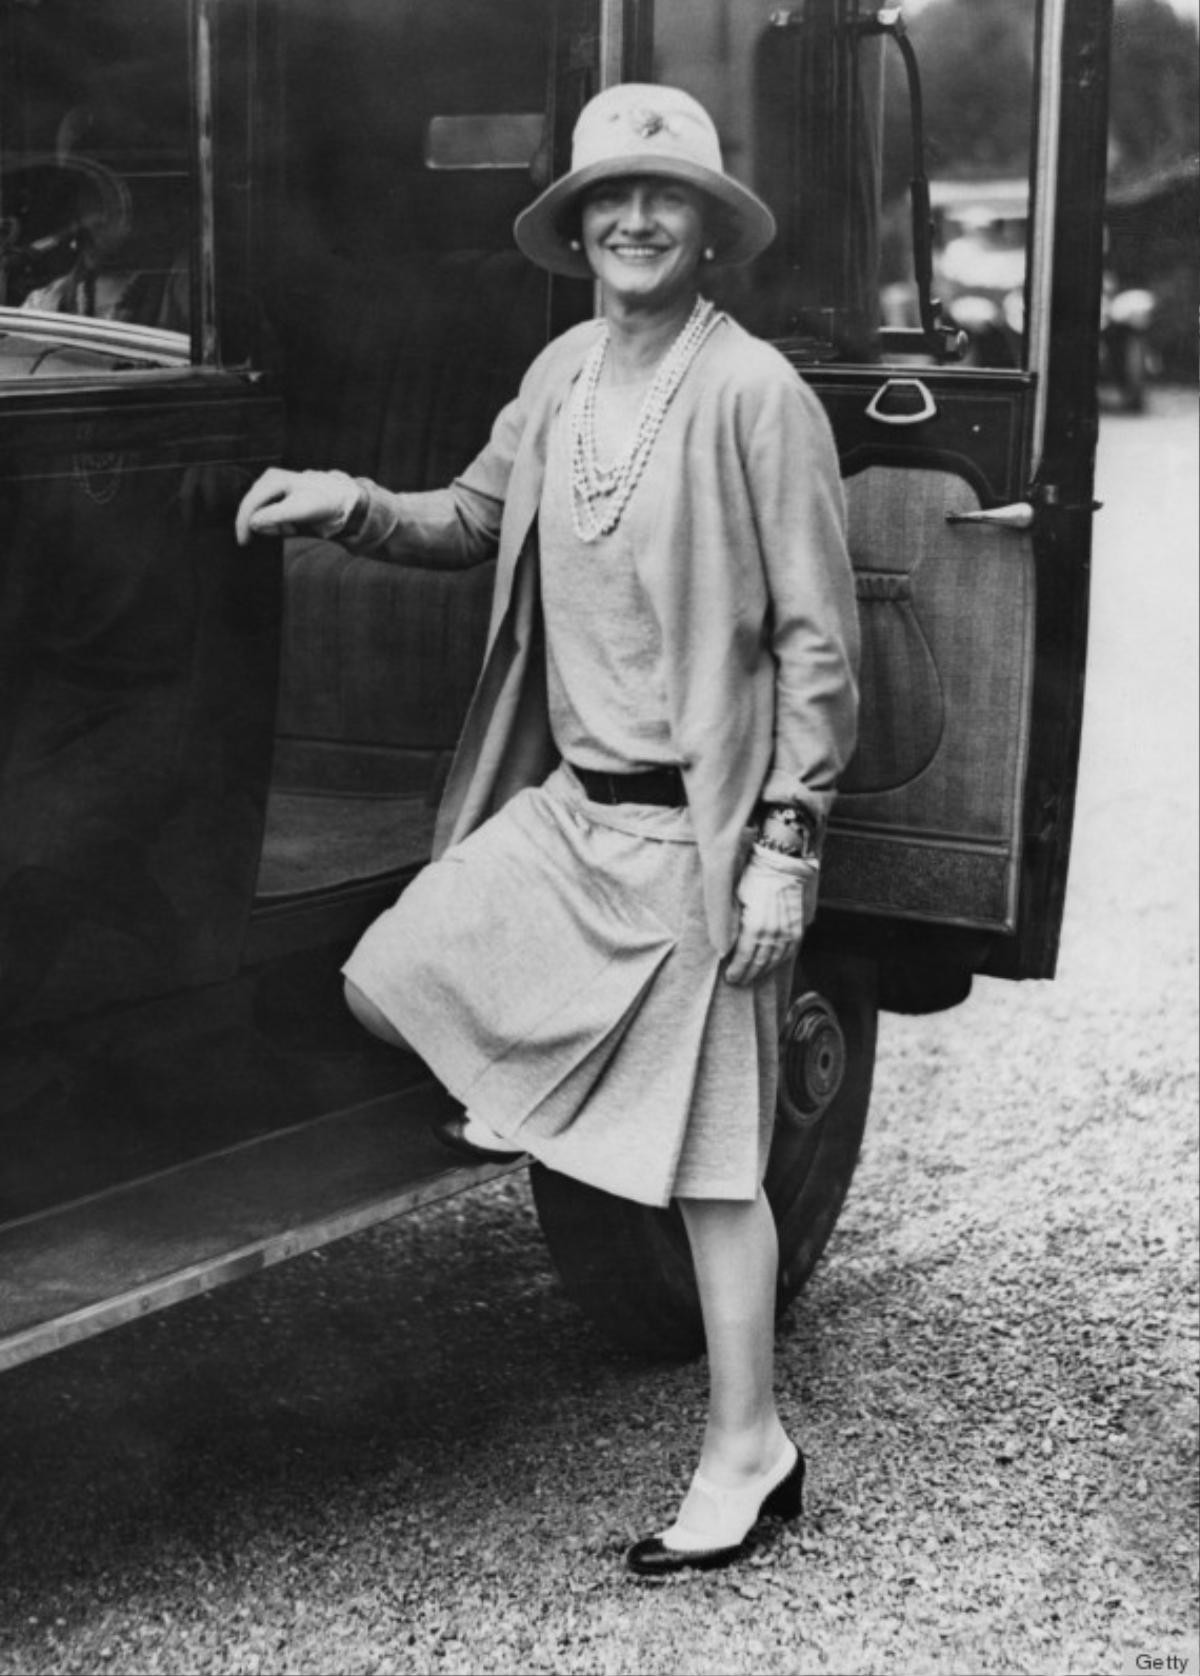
778	1491
458	1131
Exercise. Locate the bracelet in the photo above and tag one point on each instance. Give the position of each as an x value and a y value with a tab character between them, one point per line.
799	825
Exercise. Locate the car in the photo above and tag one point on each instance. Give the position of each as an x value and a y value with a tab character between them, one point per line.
218	765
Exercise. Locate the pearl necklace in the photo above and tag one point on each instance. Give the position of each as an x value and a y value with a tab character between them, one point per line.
600	496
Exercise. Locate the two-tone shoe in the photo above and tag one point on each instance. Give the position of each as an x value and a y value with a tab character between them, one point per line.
452	1131
778	1492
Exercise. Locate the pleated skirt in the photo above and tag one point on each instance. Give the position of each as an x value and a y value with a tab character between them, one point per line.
555	973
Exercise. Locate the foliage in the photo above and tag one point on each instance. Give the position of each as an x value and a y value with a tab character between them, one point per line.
1154	97
976	59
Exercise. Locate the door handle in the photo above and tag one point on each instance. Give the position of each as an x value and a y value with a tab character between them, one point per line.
910	416
1018	516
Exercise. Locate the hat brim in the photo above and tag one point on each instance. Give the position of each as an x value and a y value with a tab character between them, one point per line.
748	226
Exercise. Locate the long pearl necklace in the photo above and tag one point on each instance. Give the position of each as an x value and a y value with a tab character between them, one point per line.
599	496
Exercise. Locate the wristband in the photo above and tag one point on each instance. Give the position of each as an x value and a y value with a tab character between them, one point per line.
789	829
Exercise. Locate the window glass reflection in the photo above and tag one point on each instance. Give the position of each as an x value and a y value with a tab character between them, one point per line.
95	174
796	97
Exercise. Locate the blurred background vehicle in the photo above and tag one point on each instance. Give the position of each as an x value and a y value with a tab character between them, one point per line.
980	235
974	67
980	230
1153	222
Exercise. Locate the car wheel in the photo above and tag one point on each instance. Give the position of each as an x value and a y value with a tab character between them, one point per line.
629	1266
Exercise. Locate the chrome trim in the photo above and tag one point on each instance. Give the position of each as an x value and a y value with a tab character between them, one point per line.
612	41
1041	228
111	337
1018	516
927	409
205	336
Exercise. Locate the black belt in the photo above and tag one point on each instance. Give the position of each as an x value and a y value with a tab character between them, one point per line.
663	786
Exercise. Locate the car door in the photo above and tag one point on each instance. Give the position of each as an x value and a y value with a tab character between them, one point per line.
968	487
137	646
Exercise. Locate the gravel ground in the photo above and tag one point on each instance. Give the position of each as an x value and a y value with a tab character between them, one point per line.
409	1453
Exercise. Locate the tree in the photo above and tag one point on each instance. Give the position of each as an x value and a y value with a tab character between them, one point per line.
1154	99
976	59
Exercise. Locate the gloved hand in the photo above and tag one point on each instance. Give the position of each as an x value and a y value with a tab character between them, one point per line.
778	897
297	503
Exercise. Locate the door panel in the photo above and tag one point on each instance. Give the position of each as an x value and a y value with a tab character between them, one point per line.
929	820
928	824
929	817
138	649
928	828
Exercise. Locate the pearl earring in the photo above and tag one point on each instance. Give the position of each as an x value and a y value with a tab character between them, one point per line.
709	253
575	244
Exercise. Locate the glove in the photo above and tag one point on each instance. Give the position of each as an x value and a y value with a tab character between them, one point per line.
297	503
778	898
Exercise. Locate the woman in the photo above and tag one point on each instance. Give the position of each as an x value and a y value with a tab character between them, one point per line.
597	962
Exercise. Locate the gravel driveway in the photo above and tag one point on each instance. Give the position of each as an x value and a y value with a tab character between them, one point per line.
410	1453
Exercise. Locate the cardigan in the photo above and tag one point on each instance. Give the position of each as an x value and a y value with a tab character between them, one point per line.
746	571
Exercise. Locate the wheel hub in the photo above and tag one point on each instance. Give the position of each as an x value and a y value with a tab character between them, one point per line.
812	1059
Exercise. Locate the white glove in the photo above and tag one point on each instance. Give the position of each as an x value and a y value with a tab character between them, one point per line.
297	503
778	898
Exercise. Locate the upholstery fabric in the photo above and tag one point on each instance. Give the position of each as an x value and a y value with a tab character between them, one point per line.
400	384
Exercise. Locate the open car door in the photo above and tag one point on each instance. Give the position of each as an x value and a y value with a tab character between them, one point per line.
968	487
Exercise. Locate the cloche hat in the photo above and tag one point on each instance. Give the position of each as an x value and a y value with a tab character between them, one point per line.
640	128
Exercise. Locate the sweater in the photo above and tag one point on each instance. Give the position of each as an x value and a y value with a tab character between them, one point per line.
745	568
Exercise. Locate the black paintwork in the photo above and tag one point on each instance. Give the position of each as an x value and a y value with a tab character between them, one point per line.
138	653
153	1014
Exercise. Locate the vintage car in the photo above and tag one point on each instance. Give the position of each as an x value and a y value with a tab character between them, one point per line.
234	232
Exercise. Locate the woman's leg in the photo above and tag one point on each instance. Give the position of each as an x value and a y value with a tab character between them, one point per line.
370	1017
736	1254
472	1129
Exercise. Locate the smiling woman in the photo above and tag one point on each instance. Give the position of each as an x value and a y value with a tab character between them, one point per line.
643	239
599	959
641	577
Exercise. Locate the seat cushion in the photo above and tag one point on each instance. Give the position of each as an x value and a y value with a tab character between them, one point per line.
395	375
377	654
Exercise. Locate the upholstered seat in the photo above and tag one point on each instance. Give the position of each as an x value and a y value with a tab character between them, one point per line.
401	383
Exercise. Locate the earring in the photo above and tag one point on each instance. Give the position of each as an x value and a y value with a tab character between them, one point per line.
709	253
575	244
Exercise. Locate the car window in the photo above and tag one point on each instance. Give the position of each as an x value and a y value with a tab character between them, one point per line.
96	182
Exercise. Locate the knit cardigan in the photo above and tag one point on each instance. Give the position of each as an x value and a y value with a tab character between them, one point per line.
745	570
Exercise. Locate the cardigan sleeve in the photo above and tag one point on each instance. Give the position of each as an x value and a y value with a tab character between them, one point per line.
812	622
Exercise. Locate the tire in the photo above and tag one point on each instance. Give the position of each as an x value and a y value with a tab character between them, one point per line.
629	1266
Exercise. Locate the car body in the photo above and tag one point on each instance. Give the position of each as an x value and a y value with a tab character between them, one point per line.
217	766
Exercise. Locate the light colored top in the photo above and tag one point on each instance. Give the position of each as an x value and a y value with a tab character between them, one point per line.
746	571
604	676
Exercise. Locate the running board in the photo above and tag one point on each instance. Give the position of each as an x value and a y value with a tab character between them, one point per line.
100	1261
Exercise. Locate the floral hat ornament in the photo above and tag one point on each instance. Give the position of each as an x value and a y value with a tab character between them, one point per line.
640	128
